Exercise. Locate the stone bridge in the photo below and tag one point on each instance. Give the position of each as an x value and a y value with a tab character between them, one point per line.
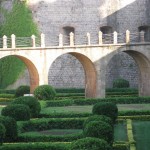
93	57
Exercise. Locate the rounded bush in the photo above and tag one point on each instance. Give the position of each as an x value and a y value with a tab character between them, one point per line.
121	83
99	129
11	128
45	92
2	133
98	118
19	112
90	144
21	90
31	102
106	108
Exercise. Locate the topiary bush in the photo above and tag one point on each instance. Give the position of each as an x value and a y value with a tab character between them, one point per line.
90	143
19	112
106	108
21	90
98	118
99	129
11	128
31	102
2	133
45	92
121	83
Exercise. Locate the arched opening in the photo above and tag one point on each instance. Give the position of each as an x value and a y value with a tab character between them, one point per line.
28	76
132	66
146	30
122	66
75	71
66	34
106	29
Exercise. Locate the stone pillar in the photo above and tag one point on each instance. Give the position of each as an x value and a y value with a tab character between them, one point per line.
100	38
115	37
42	40
33	41
13	41
89	39
142	38
60	40
4	41
127	37
71	39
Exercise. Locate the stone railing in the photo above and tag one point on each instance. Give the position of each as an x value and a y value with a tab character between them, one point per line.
33	41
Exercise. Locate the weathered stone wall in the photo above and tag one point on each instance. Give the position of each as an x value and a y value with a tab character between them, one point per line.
88	16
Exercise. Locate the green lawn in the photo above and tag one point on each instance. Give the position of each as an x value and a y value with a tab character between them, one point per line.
120	132
141	130
88	108
58	132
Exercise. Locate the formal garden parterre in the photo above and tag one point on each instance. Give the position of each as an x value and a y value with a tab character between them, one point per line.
69	121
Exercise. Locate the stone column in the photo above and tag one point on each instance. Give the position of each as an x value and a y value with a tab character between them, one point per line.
4	41
142	39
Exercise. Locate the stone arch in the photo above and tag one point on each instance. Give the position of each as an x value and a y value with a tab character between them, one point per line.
89	71
144	71
33	73
106	29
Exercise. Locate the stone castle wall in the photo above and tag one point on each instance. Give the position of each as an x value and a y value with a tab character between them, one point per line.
88	16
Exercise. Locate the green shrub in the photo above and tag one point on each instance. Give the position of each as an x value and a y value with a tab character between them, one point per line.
11	128
90	144
31	102
2	133
35	146
45	92
21	90
98	118
70	90
19	112
121	83
99	129
108	109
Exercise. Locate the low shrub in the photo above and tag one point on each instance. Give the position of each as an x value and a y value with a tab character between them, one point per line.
6	95
121	83
31	102
70	90
2	133
21	90
11	128
2	91
35	146
90	143
48	138
50	123
98	118
45	92
108	109
99	129
19	112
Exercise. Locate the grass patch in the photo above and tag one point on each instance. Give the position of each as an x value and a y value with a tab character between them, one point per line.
120	132
141	130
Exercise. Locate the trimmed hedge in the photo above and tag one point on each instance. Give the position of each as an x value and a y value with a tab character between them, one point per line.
31	102
36	146
70	90
45	92
99	129
21	90
90	144
19	112
116	100
65	115
11	128
48	138
106	108
50	123
2	91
